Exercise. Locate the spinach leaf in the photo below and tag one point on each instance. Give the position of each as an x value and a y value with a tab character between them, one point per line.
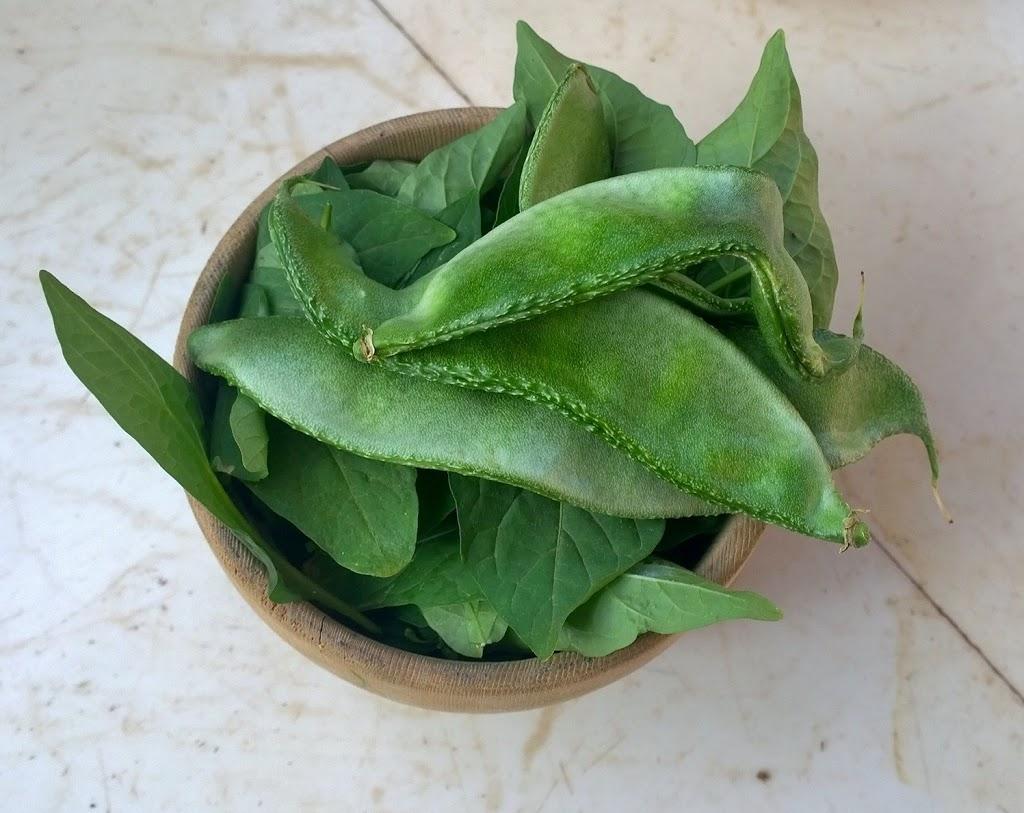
154	404
537	560
656	596
473	162
766	132
464	217
382	176
361	512
644	133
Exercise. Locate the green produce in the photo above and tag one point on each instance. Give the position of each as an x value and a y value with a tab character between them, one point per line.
497	402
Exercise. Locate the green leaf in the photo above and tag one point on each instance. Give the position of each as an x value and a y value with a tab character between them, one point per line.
382	176
853	410
645	134
656	596
439	583
464	217
295	374
151	401
269	274
467	627
537	560
330	174
388	236
766	132
570	146
473	162
238	436
238	433
361	512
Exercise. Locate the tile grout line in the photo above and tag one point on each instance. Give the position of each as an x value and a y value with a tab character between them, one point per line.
421	51
948	618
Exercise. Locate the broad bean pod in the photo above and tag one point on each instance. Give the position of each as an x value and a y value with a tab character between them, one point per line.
382	415
570	146
585	243
657	382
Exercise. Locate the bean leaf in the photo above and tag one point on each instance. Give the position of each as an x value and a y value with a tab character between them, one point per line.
656	596
508	200
388	236
473	162
464	217
440	584
382	176
466	626
644	133
361	512
766	132
238	436
537	560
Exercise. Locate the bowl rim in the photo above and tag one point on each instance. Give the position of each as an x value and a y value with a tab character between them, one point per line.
419	680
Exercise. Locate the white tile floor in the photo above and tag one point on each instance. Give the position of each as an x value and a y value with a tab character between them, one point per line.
133	677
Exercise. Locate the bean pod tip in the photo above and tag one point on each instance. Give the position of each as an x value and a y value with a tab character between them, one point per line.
363	348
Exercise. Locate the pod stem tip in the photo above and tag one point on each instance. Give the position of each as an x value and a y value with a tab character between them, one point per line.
948	517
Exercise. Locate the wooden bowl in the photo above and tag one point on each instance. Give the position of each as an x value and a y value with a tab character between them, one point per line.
418	680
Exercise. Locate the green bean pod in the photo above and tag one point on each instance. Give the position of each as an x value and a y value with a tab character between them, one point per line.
382	415
570	147
582	244
657	382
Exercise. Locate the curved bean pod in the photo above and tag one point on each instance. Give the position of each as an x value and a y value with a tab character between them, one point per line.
379	414
657	382
582	244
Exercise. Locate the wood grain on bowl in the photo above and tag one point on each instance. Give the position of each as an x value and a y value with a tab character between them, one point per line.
418	680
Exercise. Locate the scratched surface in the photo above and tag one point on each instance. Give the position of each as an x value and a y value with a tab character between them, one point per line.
134	678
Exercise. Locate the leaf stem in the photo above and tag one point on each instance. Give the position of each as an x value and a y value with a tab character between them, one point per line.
728	279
